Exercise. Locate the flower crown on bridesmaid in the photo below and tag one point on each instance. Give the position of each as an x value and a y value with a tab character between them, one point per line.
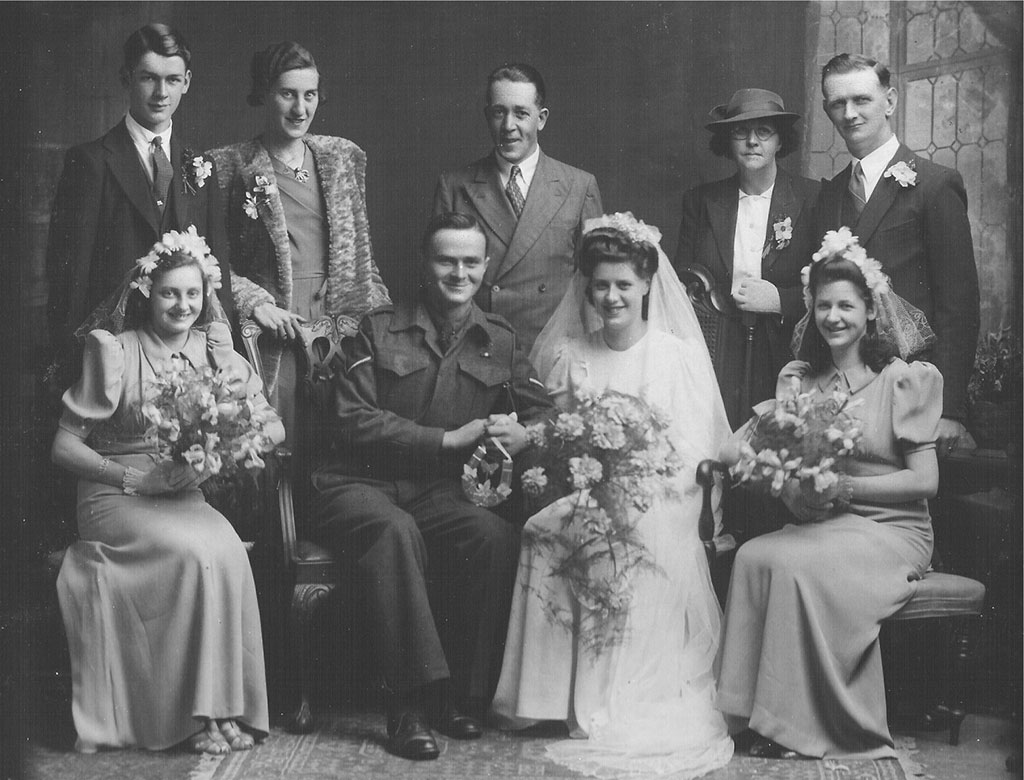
843	244
187	242
634	229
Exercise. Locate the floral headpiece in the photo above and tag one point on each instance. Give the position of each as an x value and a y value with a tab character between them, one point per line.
624	221
188	242
843	244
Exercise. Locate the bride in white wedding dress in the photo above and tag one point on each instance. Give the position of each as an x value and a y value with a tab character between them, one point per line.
645	705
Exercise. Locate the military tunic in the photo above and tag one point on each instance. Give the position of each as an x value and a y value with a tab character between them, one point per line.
436	570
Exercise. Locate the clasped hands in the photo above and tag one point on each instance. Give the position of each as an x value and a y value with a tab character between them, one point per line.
506	428
807	504
169	476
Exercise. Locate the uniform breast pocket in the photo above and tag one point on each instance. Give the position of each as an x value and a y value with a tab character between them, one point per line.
485	383
402	382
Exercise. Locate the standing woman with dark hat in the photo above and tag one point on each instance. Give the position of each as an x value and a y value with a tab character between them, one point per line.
751	233
296	217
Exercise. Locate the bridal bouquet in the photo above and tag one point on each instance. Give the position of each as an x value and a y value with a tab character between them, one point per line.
201	417
802	438
610	457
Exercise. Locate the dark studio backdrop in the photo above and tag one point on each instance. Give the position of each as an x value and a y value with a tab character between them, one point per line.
629	86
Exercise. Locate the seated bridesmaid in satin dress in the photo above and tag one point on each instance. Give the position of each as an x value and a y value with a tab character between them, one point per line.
800	661
157	596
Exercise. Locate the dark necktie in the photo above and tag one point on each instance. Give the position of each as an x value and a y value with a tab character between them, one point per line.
857	188
162	174
515	195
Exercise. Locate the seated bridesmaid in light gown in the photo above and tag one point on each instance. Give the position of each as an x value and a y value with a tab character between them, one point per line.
157	596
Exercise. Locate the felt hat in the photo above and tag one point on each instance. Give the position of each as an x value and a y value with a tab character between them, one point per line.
750	104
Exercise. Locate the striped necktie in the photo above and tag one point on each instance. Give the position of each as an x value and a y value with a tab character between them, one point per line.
515	195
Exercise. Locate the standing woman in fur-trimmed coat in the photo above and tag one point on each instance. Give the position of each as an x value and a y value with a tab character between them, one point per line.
296	217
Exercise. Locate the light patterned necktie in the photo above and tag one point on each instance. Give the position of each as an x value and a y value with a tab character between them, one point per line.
515	195
162	174
857	188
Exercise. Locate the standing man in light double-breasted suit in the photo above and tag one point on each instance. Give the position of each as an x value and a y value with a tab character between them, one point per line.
531	207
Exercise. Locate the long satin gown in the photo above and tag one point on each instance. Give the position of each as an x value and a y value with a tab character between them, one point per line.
157	596
646	706
800	652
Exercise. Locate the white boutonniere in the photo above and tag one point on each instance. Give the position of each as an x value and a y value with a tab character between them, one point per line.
783	229
904	174
258	196
197	170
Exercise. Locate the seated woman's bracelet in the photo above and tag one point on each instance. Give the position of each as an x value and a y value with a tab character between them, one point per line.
102	468
130	481
845	488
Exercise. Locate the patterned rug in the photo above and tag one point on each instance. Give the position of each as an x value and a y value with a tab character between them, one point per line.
351	746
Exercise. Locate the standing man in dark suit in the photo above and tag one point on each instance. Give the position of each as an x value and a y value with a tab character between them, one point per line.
532	208
118	194
911	215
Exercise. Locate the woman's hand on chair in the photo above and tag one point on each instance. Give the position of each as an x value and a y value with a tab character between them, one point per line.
274	319
169	476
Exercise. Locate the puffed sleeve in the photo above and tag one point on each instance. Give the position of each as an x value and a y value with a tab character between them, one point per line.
557	380
917	405
97	393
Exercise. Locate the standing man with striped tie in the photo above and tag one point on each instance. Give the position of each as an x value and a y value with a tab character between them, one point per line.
119	193
532	208
911	215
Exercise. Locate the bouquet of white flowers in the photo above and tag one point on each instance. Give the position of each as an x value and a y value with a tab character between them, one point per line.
803	439
204	417
611	454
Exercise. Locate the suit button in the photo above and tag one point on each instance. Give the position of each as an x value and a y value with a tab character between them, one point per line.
542	288
495	289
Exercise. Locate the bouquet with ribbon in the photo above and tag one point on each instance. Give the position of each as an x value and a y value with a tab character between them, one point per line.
204	417
804	438
610	458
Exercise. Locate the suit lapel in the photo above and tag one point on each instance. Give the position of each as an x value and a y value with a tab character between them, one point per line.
784	204
547	193
123	161
833	192
722	208
881	199
492	206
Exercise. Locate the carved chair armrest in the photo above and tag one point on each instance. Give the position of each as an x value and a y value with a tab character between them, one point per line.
286	506
701	288
706	471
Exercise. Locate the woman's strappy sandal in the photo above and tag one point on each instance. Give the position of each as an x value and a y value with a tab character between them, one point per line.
234	737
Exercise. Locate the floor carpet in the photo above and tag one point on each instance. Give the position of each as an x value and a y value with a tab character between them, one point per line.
350	746
347	745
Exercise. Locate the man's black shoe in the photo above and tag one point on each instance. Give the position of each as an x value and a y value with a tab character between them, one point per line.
453	723
409	737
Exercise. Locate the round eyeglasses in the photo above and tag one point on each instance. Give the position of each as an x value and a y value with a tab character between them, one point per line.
742	132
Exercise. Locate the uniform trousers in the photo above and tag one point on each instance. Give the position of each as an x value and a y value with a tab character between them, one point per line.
434	571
